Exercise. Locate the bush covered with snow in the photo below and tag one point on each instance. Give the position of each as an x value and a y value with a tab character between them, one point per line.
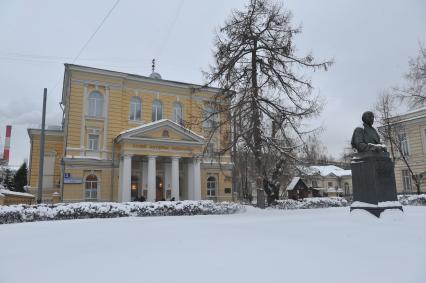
310	203
412	199
41	212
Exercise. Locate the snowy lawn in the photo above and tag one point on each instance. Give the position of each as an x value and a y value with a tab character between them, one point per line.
310	245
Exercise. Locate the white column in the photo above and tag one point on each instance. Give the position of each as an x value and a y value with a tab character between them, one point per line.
175	178
144	176
190	179
197	179
151	178
125	178
167	179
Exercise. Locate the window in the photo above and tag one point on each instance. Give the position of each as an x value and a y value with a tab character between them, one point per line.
95	105
177	113
403	144
208	117
346	186
93	142
314	184
91	188
135	108
157	110
210	149
330	184
49	169
406	181
211	186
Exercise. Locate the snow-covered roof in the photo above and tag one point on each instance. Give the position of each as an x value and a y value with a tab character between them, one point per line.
293	183
328	170
334	190
319	189
5	192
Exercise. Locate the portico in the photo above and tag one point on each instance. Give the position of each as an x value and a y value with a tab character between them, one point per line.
159	161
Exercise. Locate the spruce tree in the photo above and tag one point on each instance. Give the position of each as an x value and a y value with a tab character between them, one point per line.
20	178
8	180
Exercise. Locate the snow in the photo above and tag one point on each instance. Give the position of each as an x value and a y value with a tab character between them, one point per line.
412	199
308	203
334	190
327	170
379	205
8	192
81	210
322	245
293	183
389	204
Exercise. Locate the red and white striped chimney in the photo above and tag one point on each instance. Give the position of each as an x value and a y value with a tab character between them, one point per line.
7	144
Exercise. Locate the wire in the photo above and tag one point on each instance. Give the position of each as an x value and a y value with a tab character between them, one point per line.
170	28
96	31
90	39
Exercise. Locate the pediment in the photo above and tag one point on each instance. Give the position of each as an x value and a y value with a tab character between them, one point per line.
162	131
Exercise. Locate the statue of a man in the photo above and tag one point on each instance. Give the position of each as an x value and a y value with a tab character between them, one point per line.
367	139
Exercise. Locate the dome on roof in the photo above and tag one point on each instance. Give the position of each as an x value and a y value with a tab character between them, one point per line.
155	75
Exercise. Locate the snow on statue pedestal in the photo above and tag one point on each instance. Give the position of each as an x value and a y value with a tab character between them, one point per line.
373	176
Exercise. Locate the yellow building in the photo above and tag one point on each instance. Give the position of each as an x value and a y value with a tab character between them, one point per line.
410	134
127	137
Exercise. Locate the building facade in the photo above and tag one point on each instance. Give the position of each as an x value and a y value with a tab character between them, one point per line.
127	137
328	180
409	134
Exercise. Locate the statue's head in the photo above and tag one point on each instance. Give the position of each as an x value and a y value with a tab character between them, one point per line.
368	118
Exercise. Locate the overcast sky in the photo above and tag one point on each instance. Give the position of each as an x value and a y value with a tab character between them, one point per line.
370	42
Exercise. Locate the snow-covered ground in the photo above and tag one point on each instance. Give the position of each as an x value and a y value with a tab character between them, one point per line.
310	245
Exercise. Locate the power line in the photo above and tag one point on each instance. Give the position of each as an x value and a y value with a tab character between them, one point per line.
170	28
96	31
90	39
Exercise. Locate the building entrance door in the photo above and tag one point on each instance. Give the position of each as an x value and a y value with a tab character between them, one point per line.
159	196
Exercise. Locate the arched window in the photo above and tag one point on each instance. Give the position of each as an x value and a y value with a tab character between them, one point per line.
157	110
95	104
211	186
91	188
177	113
135	108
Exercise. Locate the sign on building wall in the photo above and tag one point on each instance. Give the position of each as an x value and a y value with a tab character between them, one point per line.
68	179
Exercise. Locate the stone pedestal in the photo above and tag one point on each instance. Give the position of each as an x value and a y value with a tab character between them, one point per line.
56	198
373	181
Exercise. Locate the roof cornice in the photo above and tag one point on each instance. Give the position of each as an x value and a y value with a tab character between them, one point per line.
139	78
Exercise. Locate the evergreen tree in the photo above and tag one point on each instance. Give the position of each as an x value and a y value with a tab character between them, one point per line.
20	178
8	180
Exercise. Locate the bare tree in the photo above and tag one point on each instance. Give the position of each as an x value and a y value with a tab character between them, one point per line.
392	130
415	92
255	58
385	107
314	151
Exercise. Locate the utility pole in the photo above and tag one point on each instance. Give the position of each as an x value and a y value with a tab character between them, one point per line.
41	157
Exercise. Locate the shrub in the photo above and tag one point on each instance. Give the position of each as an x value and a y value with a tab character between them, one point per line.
310	203
412	199
62	211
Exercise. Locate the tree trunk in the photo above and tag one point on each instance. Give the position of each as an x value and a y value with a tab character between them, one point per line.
257	150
